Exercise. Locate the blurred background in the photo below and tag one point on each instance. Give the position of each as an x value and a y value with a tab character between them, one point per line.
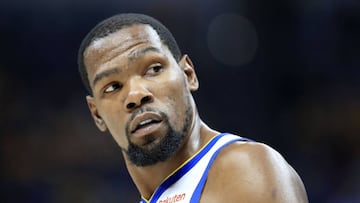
281	72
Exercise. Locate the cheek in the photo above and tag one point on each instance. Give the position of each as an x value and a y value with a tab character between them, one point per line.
172	89
115	121
176	100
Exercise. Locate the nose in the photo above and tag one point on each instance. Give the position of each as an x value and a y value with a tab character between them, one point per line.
138	95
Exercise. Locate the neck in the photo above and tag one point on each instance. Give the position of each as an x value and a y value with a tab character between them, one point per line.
148	178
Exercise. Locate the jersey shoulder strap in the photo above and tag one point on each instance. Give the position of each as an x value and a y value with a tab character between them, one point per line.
185	184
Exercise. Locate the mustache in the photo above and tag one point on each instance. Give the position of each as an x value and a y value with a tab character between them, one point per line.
140	111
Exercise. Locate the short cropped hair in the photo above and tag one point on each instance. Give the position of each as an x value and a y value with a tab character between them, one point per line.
116	23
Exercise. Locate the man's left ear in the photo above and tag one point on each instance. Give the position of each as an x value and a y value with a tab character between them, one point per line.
188	68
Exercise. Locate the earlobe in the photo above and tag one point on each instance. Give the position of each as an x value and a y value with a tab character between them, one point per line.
100	124
94	113
188	68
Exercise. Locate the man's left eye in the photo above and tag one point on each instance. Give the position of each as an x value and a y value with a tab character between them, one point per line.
154	69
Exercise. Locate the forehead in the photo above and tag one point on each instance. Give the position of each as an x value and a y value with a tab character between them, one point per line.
119	43
125	37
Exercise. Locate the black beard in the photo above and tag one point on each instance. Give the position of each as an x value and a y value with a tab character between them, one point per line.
167	147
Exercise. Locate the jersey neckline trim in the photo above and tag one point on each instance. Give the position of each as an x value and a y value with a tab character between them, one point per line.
182	169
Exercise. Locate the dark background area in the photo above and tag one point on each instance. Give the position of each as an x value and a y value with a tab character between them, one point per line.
281	72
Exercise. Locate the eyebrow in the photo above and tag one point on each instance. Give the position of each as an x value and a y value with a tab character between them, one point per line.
139	53
104	74
133	56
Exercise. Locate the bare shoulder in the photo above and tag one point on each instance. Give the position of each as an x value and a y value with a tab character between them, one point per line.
253	172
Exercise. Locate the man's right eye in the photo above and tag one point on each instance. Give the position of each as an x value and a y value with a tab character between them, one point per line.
112	87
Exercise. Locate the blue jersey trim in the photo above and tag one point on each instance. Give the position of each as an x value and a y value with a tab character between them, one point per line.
198	190
178	174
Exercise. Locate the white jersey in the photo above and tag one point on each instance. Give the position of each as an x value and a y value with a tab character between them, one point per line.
185	184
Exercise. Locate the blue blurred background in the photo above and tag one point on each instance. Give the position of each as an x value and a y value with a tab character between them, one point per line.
281	72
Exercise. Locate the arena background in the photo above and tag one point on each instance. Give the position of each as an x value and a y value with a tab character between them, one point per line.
281	72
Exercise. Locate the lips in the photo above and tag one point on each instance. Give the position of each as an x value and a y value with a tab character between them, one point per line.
145	123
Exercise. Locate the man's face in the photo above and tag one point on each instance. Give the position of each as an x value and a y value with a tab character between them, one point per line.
140	93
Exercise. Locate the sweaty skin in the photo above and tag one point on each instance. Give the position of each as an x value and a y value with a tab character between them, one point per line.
132	69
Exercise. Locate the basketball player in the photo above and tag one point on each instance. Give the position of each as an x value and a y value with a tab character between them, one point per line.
140	89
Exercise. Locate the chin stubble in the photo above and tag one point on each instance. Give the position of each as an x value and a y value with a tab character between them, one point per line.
153	153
